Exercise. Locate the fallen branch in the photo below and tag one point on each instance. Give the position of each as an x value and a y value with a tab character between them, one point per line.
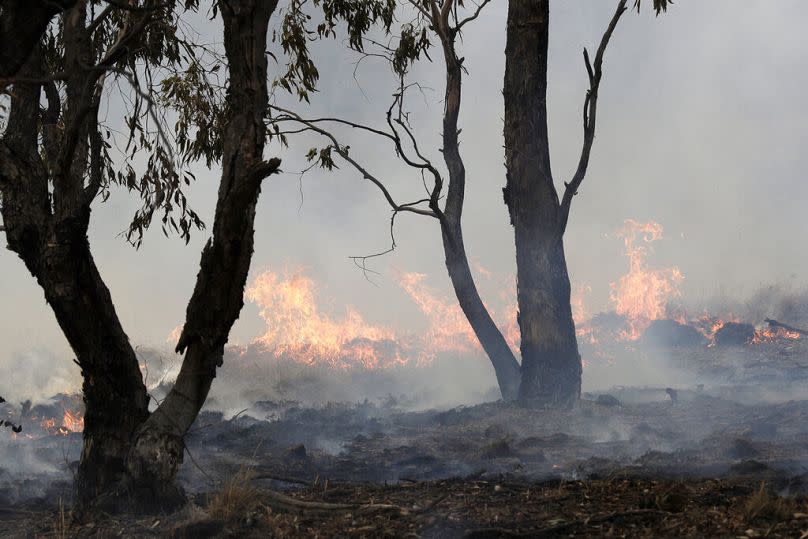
564	526
287	504
776	324
283	478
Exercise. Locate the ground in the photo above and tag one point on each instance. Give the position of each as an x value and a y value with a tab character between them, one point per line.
617	506
723	457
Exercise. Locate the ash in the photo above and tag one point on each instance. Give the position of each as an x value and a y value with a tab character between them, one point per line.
724	412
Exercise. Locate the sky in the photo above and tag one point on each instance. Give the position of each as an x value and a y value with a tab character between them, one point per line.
701	127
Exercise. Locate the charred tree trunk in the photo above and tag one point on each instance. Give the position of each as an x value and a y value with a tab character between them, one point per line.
217	300
491	339
22	24
551	364
53	245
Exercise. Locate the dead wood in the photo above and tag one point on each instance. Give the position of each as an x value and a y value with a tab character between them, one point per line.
775	324
561	527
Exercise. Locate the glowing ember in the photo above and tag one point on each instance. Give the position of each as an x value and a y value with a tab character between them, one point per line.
642	295
773	334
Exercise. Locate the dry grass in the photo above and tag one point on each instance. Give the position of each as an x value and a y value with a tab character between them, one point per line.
61	522
236	497
763	506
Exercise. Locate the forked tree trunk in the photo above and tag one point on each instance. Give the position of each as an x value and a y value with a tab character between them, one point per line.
217	300
551	364
55	250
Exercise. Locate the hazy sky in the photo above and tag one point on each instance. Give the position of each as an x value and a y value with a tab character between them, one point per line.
701	127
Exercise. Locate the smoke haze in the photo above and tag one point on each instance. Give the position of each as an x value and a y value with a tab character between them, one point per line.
700	128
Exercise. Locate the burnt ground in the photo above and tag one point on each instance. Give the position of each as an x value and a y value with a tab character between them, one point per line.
631	461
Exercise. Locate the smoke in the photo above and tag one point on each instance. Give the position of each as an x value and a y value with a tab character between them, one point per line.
37	375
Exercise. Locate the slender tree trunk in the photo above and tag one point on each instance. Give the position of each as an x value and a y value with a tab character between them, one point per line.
551	364
491	339
55	250
217	300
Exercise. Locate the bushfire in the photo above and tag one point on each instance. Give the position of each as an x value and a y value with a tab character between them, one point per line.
297	328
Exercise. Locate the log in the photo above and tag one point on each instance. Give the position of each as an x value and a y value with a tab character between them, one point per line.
776	324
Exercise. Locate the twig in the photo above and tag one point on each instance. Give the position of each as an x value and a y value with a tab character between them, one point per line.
554	529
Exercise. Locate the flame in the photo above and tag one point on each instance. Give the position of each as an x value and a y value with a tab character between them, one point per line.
578	304
449	330
73	422
70	422
295	327
772	334
642	295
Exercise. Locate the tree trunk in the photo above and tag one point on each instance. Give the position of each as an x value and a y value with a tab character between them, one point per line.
22	25
217	300
551	365
56	252
491	339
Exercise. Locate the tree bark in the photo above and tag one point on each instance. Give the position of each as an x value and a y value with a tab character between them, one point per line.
55	249
506	368
22	24
217	300
551	364
491	339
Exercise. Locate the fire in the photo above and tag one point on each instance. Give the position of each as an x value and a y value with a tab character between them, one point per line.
449	330
642	295
73	422
70	422
772	334
296	329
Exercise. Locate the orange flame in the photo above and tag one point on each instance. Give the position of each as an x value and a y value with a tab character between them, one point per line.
642	294
771	334
71	422
295	327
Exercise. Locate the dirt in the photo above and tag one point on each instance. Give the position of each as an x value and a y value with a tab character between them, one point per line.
687	460
618	506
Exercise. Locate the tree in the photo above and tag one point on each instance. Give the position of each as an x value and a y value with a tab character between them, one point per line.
444	23
551	364
550	372
54	169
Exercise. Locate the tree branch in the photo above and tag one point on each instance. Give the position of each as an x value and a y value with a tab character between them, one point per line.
473	16
589	116
342	151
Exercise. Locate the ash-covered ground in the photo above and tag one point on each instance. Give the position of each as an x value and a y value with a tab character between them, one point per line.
726	411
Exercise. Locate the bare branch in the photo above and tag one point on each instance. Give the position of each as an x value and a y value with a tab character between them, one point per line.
473	16
342	151
589	116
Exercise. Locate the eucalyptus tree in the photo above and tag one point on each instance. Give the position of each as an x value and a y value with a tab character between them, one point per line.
550	371
551	364
58	159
